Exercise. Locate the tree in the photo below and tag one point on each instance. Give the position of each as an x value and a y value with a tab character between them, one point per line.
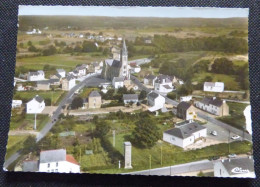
29	43
102	128
30	144
146	133
32	49
76	103
172	95
208	79
142	95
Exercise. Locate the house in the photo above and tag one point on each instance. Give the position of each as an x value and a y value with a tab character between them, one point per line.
147	41
135	68
149	80
20	87
156	101
247	114
130	98
185	133
186	98
94	100
61	72
80	70
118	82
58	161
68	82
35	106
213	105
236	167
16	103
56	76
213	87
186	111
163	84
96	67
43	85
36	76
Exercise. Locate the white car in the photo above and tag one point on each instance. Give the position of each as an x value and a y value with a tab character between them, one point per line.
214	133
235	137
232	156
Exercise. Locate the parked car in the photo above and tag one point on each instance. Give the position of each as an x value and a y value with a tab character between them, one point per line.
214	158
235	137
214	133
232	156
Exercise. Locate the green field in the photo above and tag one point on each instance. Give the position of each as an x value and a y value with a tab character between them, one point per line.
14	144
229	80
27	123
28	95
236	118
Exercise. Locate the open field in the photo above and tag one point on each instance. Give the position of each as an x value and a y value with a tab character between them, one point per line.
14	144
28	95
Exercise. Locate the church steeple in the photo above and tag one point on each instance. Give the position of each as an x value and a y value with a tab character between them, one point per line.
124	49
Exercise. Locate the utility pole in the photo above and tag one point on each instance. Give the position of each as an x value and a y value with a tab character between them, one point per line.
161	155
114	138
228	141
150	164
35	115
119	165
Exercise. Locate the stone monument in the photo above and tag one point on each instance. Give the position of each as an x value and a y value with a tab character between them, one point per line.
128	155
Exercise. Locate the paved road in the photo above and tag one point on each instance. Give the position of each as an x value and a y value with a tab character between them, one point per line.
178	169
141	61
12	158
225	126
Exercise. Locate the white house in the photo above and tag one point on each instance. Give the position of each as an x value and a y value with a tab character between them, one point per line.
58	161
185	133
20	87
80	70
34	31
247	114
61	72
35	106
36	76
68	82
213	87
118	82
213	105
149	80
130	98
135	68
156	101
16	103
186	98
236	167
163	84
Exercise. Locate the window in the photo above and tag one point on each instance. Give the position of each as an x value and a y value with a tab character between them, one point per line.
57	164
173	138
52	170
56	170
48	165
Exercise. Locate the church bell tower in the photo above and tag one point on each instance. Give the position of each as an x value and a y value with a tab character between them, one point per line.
124	60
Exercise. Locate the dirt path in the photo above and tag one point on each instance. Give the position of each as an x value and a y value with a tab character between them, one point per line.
22	132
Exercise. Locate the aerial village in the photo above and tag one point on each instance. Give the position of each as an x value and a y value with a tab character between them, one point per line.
108	113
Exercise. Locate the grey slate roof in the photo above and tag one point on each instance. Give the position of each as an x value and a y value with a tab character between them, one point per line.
243	163
38	98
215	102
35	73
130	97
43	82
113	63
53	156
94	94
167	86
118	79
54	80
150	77
185	130
153	95
60	70
160	79
209	84
183	105
30	166
69	77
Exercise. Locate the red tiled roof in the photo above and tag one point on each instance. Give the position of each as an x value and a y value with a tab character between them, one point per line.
71	159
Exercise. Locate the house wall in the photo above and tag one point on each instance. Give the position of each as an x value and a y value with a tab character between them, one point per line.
213	109
162	89
173	140
33	107
159	101
36	78
43	86
62	74
129	101
72	83
94	102
62	167
213	88
118	84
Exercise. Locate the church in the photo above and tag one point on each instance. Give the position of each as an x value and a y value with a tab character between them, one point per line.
117	66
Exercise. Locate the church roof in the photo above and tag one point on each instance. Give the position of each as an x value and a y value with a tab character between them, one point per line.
113	63
124	49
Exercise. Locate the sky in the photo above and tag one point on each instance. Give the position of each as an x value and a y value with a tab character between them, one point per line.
171	12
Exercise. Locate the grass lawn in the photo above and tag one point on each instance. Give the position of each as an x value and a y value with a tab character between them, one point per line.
236	118
239	62
14	144
65	61
27	123
229	80
86	91
28	95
